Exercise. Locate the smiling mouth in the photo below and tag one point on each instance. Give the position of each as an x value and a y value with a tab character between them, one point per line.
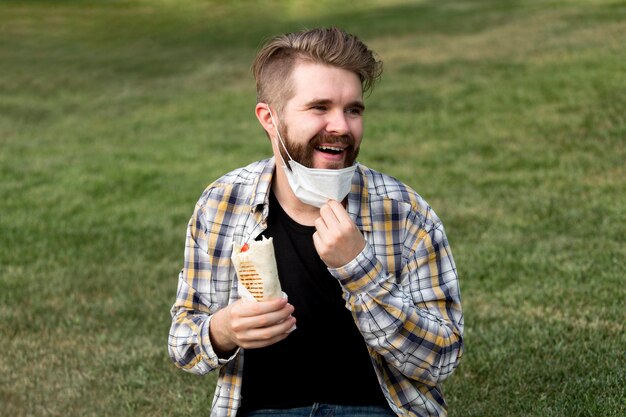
332	150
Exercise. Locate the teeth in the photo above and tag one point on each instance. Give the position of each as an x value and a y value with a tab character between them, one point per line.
330	148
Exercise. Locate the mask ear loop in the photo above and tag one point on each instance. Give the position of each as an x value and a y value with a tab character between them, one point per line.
280	138
249	236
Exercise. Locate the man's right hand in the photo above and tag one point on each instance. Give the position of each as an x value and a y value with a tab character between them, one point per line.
250	325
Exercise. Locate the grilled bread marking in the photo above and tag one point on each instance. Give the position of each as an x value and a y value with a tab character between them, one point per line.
255	264
250	278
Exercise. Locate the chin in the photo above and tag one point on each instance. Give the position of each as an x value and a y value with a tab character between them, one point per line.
330	165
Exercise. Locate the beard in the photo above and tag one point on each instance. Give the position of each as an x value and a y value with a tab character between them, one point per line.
303	153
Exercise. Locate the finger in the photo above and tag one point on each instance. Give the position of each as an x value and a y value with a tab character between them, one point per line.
327	223
320	226
274	318
261	343
280	327
255	338
339	212
246	308
243	323
317	241
327	213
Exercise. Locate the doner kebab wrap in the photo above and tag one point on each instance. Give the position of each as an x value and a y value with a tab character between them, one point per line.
255	264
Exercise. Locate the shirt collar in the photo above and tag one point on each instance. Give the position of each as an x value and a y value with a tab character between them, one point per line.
358	199
261	188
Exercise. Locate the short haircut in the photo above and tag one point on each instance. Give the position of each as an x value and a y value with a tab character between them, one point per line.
274	63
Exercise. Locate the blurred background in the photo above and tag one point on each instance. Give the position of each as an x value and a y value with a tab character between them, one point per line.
508	117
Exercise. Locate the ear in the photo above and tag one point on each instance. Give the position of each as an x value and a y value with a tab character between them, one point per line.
263	116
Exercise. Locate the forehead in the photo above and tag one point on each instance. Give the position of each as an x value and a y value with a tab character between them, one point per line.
312	81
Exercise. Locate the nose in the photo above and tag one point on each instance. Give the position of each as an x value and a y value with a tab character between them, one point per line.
337	123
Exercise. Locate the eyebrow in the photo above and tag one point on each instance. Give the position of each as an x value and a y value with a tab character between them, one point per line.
325	102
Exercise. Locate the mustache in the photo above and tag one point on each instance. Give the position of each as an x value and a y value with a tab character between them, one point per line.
325	138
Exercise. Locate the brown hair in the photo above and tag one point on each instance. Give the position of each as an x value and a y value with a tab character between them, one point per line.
330	46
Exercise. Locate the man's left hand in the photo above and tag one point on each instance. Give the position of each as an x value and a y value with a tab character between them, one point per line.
337	239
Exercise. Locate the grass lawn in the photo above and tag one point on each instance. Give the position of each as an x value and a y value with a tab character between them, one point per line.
509	117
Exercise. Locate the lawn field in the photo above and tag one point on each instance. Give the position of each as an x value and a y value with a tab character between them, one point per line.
508	117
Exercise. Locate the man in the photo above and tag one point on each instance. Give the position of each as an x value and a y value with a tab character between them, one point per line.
372	287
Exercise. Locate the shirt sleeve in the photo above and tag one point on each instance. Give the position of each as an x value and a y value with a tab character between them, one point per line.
189	343
413	321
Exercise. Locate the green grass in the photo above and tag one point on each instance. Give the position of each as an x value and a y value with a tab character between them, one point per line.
507	116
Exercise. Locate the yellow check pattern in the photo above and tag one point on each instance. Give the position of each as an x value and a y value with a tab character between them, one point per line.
402	289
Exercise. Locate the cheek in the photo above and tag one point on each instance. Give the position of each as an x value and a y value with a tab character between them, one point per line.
306	129
356	128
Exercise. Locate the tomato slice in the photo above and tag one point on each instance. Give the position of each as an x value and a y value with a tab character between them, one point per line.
245	247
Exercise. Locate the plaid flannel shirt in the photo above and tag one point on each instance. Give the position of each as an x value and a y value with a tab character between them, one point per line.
402	289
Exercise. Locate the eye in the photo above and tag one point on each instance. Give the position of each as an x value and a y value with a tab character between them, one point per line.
354	111
318	107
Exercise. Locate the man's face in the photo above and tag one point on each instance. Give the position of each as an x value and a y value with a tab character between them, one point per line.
322	124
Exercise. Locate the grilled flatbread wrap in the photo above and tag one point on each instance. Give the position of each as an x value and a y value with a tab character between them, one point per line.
255	264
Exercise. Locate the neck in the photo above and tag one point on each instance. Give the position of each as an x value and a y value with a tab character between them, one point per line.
296	209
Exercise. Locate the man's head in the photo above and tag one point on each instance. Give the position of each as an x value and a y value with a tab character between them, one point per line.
334	47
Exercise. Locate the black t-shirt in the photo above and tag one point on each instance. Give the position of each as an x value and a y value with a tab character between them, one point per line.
325	359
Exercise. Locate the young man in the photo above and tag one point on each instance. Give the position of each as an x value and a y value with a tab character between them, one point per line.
372	287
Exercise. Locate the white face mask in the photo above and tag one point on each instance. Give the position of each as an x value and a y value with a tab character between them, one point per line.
315	186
